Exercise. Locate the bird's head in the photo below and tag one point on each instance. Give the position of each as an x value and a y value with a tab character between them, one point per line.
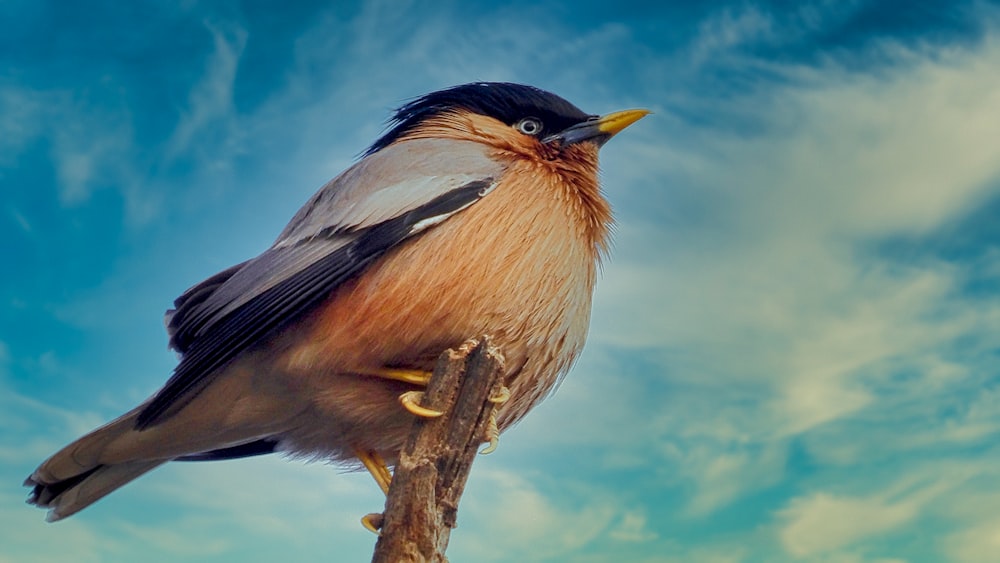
511	117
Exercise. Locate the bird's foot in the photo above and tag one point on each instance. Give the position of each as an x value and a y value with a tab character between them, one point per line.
492	435
411	402
492	430
373	522
502	397
375	465
411	399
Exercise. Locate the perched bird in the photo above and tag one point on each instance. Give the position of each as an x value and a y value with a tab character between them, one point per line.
477	212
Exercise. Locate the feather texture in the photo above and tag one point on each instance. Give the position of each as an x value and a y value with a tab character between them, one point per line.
349	223
456	223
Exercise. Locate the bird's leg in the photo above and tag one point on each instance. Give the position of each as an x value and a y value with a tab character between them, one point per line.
372	461
414	376
375	465
492	430
411	399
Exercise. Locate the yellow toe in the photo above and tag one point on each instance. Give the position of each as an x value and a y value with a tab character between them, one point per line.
492	435
502	397
372	522
411	402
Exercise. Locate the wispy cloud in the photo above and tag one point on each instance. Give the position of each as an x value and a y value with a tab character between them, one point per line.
89	153
633	527
979	542
823	522
762	373
19	120
772	318
778	273
535	526
210	113
730	28
92	147
38	541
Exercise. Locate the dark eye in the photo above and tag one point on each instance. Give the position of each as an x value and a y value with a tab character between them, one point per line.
529	126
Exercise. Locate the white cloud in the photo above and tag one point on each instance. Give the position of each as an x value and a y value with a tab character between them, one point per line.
751	286
740	282
976	538
210	101
91	147
823	522
724	476
175	541
286	500
36	540
506	504
723	34
978	543
633	527
20	414
19	121
731	28
884	320
771	285
882	155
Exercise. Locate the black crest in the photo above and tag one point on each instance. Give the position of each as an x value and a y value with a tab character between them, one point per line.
504	101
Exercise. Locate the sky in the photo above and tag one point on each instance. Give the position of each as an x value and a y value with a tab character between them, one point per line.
793	354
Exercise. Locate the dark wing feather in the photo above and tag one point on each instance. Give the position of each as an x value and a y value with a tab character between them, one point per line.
181	329
290	279
263	446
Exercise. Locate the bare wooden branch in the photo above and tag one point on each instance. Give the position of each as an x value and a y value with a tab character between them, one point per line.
422	505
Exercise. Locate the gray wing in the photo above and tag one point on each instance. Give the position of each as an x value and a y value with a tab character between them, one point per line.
383	200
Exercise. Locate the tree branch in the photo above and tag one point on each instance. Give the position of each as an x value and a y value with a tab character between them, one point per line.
422	505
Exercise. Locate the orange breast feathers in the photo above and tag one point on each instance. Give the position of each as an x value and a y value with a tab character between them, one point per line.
519	265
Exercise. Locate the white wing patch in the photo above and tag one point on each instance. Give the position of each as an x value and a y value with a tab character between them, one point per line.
437	219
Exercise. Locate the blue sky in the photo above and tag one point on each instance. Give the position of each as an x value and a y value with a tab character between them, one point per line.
793	351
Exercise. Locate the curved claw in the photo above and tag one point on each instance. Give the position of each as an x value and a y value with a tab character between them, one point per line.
490	448
492	435
414	376
375	465
372	522
410	401
501	397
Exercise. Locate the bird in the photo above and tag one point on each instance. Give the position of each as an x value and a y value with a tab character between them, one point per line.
477	211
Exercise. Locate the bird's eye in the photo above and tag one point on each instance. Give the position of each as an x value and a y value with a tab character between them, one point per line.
529	126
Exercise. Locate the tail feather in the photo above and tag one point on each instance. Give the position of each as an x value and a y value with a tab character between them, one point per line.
79	474
230	419
69	496
84	454
43	494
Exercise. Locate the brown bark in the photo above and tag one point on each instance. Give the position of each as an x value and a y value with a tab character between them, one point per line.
422	505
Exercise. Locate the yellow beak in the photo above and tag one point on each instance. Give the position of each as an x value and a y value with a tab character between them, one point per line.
598	129
612	123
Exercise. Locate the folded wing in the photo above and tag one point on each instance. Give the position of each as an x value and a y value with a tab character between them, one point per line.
380	202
